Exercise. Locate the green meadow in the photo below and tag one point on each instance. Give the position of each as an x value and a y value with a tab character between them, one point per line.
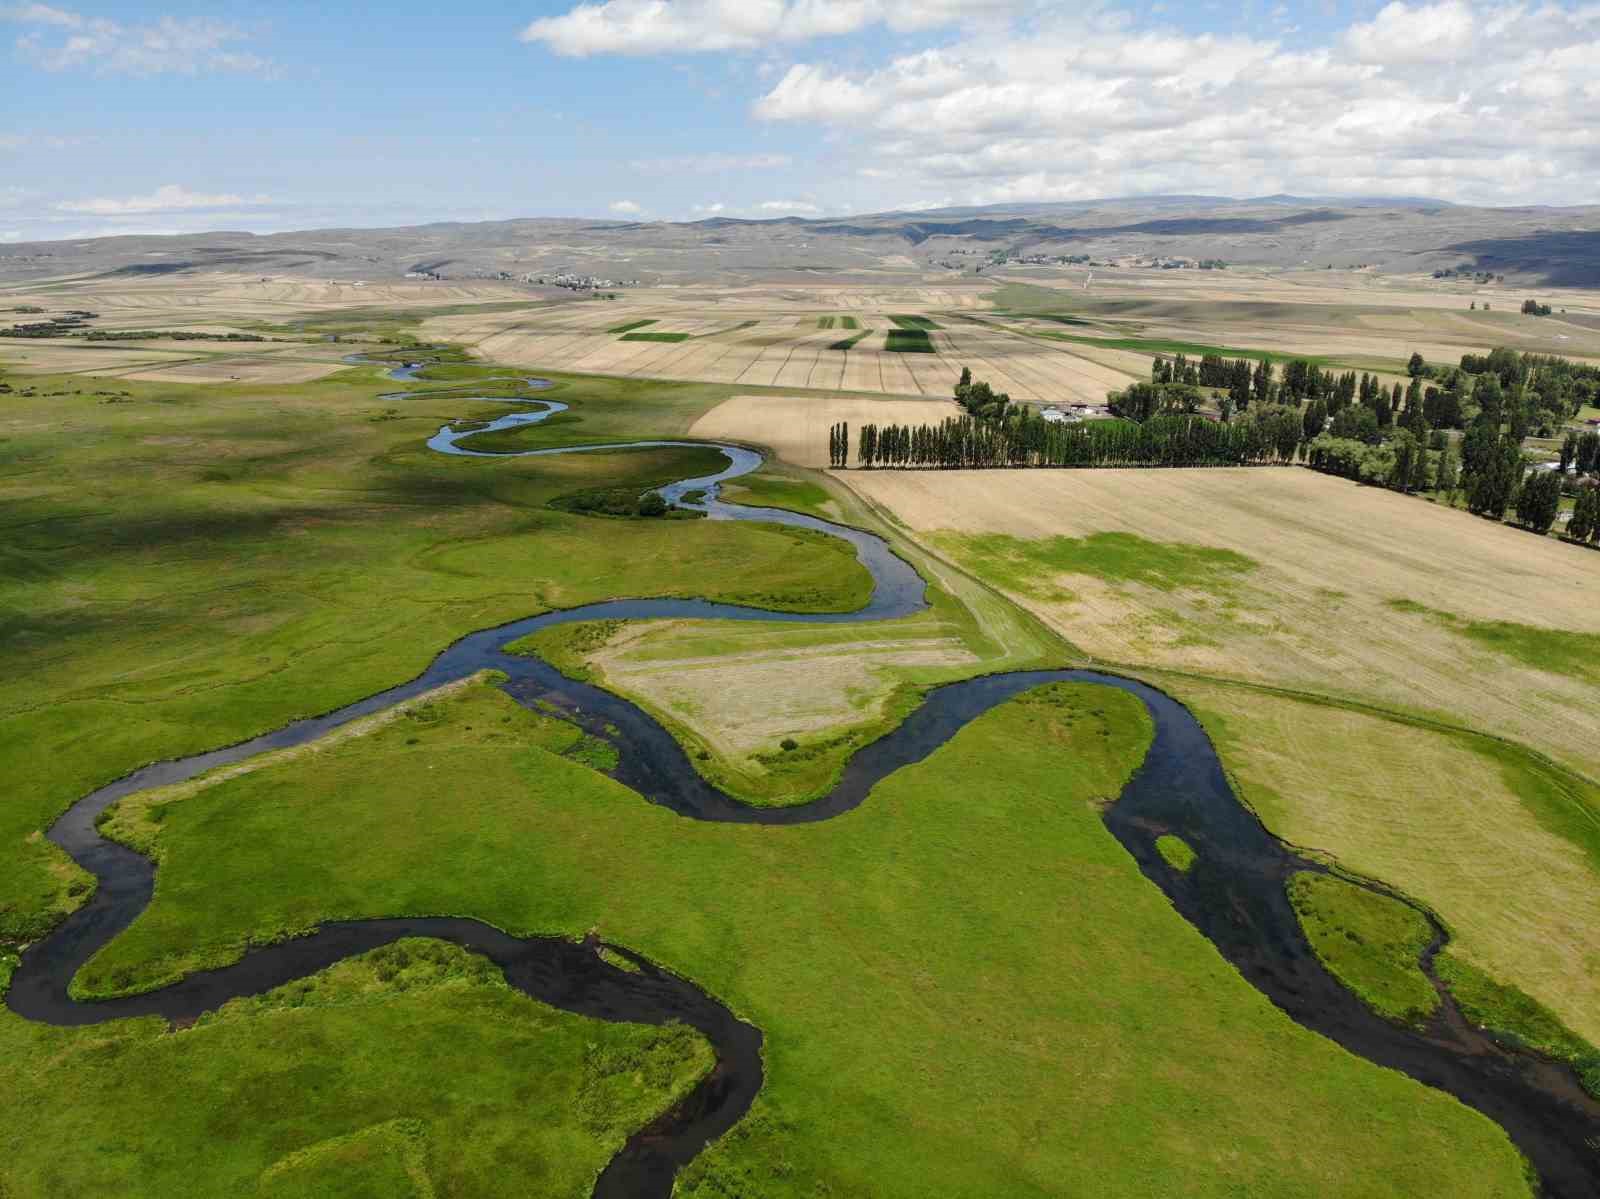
413	1071
857	945
190	566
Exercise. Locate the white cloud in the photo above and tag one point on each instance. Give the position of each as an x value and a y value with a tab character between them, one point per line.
626	208
700	163
794	206
59	40
41	14
706	26
168	198
10	235
1083	105
1403	33
710	209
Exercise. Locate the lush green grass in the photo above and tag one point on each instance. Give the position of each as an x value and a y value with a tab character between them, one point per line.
908	341
1102	1003
412	1070
848	343
770	489
1177	852
195	565
630	326
904	321
1513	1013
1370	942
654	337
1560	651
1028	565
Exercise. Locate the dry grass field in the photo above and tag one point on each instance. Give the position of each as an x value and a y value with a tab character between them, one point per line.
796	427
1311	606
245	368
1433	813
171	361
745	689
217	302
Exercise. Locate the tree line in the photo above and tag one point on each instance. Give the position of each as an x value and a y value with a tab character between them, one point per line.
1347	423
1025	439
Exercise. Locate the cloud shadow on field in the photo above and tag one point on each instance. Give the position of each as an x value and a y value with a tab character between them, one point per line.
1560	259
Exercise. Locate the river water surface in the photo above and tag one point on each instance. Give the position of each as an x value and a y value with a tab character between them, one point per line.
1234	894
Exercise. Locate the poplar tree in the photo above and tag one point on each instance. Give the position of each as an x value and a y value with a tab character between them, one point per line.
1539	500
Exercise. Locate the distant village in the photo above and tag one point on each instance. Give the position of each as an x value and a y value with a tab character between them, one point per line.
1000	258
567	279
1071	414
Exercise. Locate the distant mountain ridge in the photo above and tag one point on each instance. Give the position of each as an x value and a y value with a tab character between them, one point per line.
1398	234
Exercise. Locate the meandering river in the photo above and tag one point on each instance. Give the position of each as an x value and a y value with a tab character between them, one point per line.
1234	894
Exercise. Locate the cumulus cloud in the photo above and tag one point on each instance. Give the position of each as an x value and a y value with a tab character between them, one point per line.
800	207
10	235
626	208
704	26
168	198
60	39
1471	101
711	209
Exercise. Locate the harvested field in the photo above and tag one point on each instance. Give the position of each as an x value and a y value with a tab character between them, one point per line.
796	427
786	347
233	370
1315	610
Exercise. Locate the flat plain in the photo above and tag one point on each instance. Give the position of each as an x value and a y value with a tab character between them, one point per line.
205	540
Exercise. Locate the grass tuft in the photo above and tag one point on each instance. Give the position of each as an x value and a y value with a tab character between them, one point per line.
1177	852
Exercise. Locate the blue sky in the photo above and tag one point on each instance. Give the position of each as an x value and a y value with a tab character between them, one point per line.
185	116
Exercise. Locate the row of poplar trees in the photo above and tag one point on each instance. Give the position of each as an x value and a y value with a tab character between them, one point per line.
1025	439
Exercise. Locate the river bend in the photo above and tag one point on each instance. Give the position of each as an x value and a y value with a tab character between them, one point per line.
1234	894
